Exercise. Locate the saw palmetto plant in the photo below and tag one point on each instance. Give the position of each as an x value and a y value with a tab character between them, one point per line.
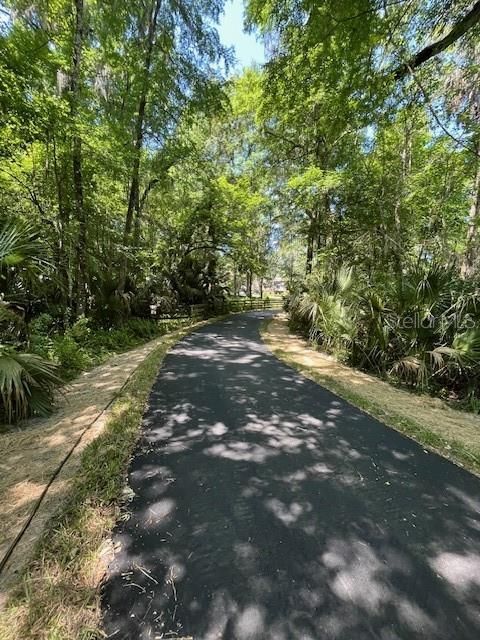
27	381
422	331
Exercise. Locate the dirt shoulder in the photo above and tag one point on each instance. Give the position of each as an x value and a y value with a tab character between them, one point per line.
430	421
30	456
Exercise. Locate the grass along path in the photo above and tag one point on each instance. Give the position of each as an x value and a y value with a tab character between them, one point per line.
29	457
453	434
58	598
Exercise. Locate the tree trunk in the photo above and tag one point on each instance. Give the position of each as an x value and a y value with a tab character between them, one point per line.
235	280
139	213
469	259
249	283
399	250
310	244
77	167
327	239
133	208
63	244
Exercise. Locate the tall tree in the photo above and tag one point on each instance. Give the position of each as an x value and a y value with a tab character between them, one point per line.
77	160
147	40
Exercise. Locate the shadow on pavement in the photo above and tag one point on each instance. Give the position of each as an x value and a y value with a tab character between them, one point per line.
266	508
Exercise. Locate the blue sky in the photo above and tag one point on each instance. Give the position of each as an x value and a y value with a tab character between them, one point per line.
247	49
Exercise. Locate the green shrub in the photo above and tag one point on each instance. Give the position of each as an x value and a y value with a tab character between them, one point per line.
41	330
70	357
83	346
110	306
12	325
80	330
142	328
42	325
421	329
110	340
164	326
27	383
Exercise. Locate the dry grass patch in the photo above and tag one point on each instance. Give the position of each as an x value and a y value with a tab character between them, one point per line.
30	455
430	421
59	597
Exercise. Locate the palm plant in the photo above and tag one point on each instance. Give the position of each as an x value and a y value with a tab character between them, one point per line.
436	346
328	308
376	321
20	248
20	242
422	331
27	381
112	306
420	304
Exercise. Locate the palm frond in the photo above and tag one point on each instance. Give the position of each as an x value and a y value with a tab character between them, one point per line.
18	243
411	369
27	383
344	280
467	345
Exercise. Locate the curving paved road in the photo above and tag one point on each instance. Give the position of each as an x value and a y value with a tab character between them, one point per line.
267	508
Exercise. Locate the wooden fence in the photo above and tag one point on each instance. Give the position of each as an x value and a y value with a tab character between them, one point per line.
229	306
235	306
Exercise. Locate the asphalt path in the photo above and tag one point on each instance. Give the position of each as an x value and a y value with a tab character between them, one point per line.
264	507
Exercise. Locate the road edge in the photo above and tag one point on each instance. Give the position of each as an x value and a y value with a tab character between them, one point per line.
451	449
70	558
